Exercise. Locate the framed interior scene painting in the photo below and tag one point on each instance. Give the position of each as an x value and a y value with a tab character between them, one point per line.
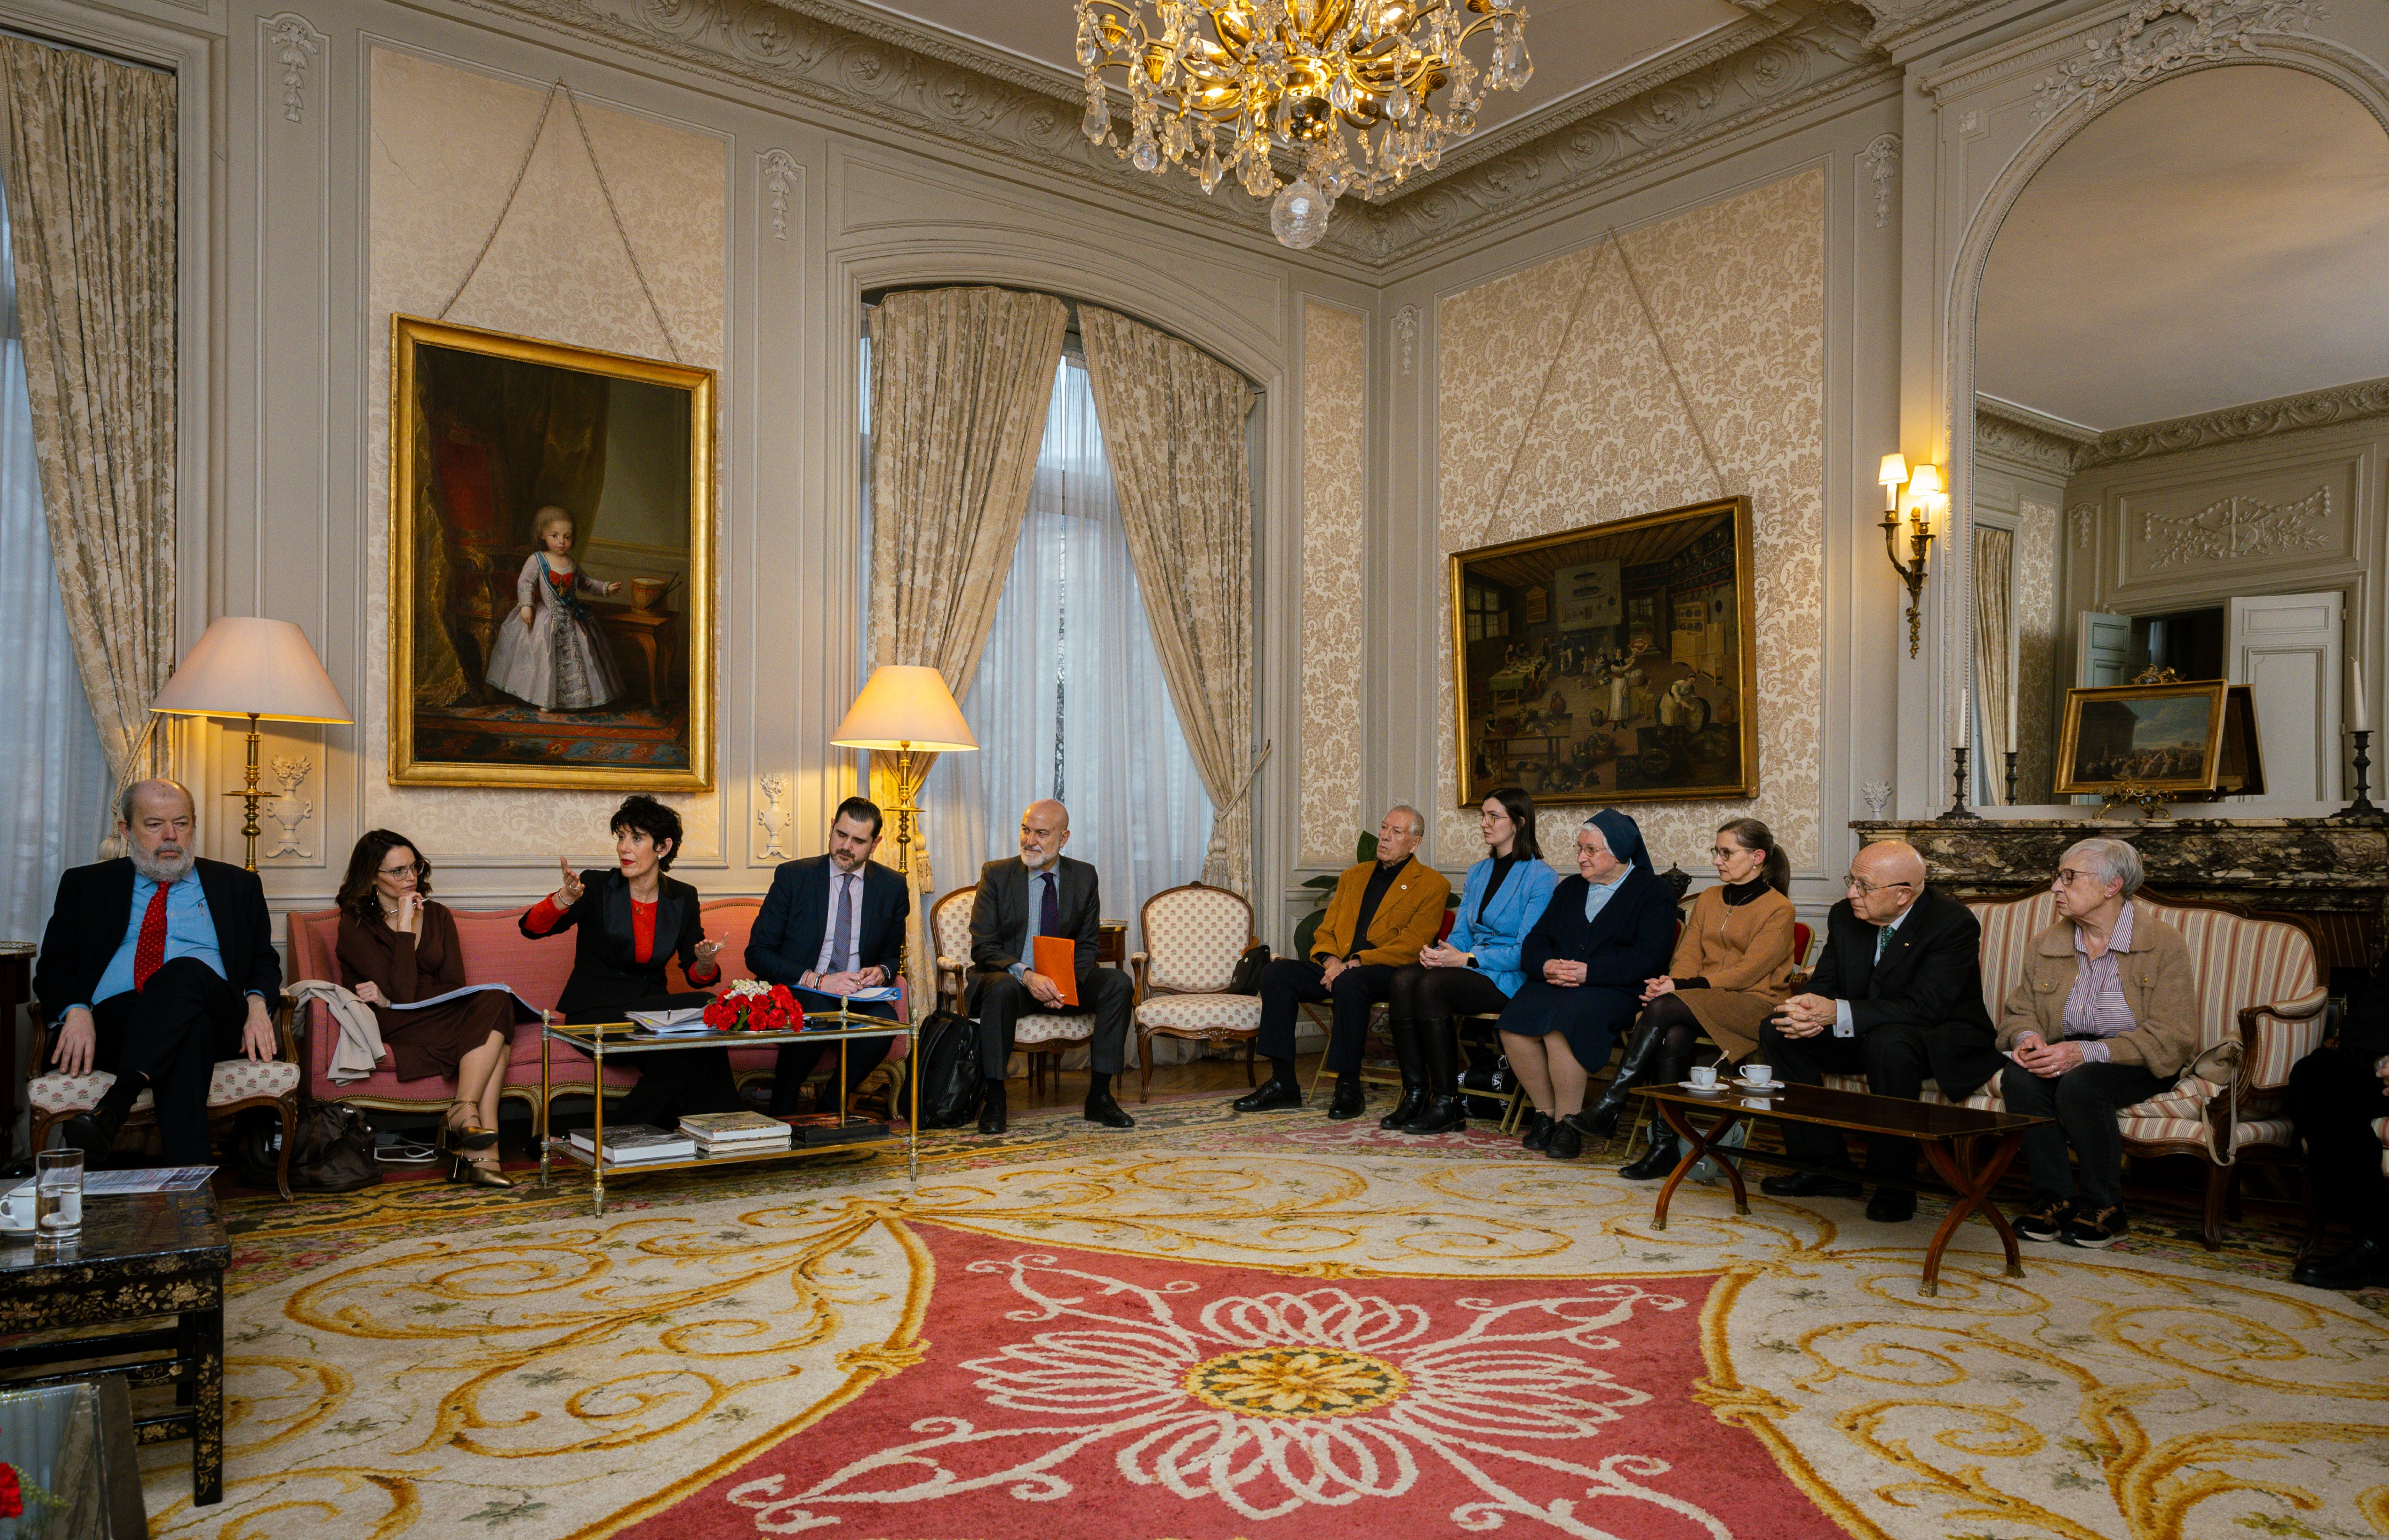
2157	738
551	564
1610	663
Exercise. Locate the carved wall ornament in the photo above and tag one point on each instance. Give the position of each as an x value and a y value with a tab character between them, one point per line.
773	787
780	178
295	44
290	811
1970	125
1881	160
2233	526
2086	525
2157	36
1405	335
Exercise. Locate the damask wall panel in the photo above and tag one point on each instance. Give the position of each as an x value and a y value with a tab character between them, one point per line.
1556	409
1333	606
446	143
2039	630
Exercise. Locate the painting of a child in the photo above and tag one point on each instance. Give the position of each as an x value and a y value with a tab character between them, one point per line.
551	653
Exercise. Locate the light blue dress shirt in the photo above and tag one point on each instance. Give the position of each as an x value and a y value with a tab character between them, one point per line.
1598	894
1027	950
190	932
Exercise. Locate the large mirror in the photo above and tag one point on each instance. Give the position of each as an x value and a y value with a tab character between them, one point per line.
2182	410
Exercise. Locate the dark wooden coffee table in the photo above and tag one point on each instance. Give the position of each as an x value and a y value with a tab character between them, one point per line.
1954	1140
145	1277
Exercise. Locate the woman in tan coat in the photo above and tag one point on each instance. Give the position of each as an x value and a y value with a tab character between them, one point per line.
1732	962
2104	1015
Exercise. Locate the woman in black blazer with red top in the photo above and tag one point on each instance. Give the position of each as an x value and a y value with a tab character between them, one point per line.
633	922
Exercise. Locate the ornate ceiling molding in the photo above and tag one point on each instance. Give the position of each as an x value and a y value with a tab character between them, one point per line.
2158	36
2260	419
2024	436
875	69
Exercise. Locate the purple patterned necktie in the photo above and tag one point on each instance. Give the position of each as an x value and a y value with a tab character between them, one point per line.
1049	917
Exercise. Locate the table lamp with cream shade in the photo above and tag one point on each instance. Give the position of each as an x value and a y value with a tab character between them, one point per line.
264	669
905	709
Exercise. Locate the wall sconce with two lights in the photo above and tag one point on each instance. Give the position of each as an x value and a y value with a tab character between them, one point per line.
1926	501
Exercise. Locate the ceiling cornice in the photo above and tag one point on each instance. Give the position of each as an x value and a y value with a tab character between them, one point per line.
2258	419
874	70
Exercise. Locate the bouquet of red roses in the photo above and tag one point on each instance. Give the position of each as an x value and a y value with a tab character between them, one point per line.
752	1006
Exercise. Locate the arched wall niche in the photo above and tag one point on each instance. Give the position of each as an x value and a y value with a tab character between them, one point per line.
2345	67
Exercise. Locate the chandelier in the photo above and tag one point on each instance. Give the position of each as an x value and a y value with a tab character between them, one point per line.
1349	88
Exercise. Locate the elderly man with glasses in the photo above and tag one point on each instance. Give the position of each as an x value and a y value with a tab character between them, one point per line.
2105	1014
1897	995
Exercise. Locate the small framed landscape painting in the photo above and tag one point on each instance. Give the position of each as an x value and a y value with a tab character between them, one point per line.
551	570
2157	738
1610	663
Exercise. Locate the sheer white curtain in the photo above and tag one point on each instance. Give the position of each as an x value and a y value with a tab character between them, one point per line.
1069	701
50	758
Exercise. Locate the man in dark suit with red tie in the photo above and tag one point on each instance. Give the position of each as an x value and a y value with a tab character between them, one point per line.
832	925
1044	892
1897	995
154	966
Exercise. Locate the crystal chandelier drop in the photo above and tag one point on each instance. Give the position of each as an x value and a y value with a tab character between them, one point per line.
1362	92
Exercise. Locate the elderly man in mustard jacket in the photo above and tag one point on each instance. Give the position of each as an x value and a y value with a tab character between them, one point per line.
1384	911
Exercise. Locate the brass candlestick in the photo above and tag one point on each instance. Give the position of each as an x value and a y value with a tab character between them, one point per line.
1911	572
1959	811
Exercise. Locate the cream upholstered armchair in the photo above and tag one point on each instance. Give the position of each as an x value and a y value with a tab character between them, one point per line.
1194	937
1042	1037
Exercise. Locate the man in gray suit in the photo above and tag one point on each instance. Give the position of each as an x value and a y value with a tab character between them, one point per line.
1042	892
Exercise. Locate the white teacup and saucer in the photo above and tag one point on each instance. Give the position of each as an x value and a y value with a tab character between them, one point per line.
1759	1077
17	1211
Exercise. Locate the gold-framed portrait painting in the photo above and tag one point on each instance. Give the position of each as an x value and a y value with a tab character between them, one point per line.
551	572
2156	738
1613	663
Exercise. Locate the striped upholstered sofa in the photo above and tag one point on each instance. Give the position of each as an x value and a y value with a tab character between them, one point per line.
2261	996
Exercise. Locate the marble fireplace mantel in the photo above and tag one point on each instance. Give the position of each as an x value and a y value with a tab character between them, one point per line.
2332	875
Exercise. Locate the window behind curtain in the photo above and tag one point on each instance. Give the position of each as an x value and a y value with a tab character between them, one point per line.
51	763
1069	701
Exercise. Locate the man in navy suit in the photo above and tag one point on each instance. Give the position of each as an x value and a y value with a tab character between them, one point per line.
154	966
832	925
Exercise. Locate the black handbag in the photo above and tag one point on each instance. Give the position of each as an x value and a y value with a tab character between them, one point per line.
332	1150
1247	977
950	1081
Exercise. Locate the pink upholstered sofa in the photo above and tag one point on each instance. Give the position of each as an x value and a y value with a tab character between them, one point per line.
497	952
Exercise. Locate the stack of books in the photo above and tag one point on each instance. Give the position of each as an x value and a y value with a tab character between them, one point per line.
636	1144
735	1132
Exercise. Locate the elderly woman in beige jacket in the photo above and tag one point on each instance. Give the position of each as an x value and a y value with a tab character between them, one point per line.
2104	1015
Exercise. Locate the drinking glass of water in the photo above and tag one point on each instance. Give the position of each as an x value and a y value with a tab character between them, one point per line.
58	1194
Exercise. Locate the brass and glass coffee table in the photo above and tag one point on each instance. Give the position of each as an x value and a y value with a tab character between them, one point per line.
1970	1149
606	1040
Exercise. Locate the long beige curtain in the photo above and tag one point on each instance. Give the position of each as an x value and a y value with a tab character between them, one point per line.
960	382
90	179
1994	647
1173	422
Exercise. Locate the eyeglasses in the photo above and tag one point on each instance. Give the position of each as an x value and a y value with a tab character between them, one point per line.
1719	852
1851	882
2066	877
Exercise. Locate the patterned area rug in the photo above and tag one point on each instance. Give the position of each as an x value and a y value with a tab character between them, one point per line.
1219	1327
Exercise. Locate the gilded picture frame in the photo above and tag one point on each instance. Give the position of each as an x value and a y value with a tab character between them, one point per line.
1612	663
552	579
2153	737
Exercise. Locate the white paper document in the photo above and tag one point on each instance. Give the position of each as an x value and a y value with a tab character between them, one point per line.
525	1010
687	1019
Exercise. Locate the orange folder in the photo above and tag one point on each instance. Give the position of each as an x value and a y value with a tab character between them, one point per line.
1057	958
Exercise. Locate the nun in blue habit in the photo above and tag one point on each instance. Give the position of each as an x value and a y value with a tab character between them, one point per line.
1605	932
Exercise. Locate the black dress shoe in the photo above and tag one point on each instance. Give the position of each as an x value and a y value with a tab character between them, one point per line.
1538	1131
1273	1095
1665	1154
1412	1103
1566	1144
1101	1108
2365	1264
92	1132
1810	1183
1891	1206
1350	1100
991	1109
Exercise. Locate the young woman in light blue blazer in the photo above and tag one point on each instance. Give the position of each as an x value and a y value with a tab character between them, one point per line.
1472	974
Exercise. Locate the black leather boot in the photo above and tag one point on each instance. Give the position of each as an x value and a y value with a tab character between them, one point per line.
1445	1113
1660	1159
1601	1118
1407	1053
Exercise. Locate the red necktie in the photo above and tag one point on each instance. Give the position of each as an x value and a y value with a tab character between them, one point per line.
149	952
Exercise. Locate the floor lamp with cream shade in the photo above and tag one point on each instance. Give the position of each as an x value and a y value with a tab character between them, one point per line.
246	665
905	709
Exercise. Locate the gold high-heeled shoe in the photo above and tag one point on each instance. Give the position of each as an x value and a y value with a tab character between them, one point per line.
477	1173
456	1138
